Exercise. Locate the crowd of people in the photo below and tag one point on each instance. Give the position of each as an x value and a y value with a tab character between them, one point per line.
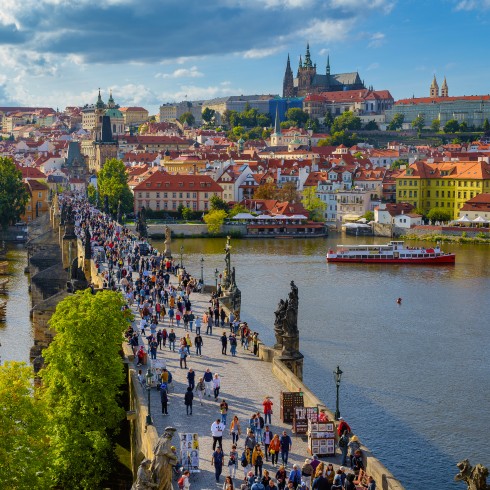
144	277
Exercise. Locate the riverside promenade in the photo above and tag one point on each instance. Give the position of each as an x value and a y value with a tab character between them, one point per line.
245	382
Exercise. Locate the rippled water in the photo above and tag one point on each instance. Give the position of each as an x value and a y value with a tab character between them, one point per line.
15	327
416	383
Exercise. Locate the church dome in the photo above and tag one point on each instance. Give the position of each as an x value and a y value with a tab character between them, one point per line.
114	113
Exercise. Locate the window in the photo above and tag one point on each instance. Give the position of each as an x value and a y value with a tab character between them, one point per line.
140	194
188	195
174	195
174	205
194	195
165	195
165	205
158	195
205	195
205	204
194	205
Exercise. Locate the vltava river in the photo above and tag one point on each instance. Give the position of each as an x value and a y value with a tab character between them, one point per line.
416	382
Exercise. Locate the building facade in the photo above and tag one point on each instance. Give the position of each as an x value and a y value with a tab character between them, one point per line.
172	112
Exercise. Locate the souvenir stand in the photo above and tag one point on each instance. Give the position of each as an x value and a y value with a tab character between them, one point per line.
321	438
189	452
156	368
301	417
289	401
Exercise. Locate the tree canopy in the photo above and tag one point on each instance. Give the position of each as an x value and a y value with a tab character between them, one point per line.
217	203
313	204
452	126
297	116
397	122
81	386
347	120
419	122
208	115
266	191
435	125
24	449
371	126
112	181
439	214
13	193
339	138
187	118
214	219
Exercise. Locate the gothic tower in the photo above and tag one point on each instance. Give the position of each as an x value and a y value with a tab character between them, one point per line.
434	88
327	84
306	73
444	89
288	82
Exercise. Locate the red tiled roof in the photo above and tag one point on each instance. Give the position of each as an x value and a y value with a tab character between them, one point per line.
171	182
438	100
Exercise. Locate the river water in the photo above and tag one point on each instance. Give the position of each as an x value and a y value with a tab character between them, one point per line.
416	382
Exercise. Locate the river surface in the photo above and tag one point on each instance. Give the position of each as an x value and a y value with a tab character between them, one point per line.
416	382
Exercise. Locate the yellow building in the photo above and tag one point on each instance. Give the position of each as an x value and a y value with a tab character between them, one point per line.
444	185
134	116
184	164
38	200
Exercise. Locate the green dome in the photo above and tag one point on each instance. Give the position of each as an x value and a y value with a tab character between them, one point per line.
114	113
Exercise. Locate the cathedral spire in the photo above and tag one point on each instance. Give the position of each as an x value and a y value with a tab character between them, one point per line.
308	63
434	88
288	82
444	89
328	65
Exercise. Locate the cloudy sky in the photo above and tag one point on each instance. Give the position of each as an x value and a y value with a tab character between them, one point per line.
59	52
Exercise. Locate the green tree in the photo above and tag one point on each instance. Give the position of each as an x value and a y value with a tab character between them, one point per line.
81	381
328	119
398	163
217	203
368	215
439	214
187	118
215	219
92	194
313	204
186	214
313	124
288	192
297	116
180	210
371	126
435	125
112	181
266	134
463	127
452	126
419	122
13	193
339	138
236	209
208	115
486	125
397	122
266	191
347	120
287	124
24	449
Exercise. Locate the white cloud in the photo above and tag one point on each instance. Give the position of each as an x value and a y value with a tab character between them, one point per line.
472	5
359	5
377	39
323	51
372	66
193	92
327	30
192	72
261	53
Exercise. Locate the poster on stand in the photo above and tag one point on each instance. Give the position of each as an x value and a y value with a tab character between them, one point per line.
189	452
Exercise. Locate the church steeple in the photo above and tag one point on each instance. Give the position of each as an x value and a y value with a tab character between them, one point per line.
110	103
288	81
300	66
328	65
444	89
99	104
434	88
308	63
277	124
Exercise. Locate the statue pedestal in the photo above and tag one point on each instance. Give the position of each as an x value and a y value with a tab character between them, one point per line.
290	355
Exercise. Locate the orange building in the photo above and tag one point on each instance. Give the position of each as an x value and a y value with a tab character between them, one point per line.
38	200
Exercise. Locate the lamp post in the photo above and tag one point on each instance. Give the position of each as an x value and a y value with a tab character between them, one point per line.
202	271
216	274
149	377
181	253
337	376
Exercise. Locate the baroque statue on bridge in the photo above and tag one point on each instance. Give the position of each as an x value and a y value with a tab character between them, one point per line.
168	239
475	477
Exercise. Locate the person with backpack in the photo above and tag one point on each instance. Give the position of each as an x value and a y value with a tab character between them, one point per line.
246	461
184	481
258	485
344	446
188	397
200	389
233	344
171	340
295	476
258	460
233	461
198	343
164	400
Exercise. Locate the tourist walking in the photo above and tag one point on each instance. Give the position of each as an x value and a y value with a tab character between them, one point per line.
223	408
235	429
209	328
353	446
228	484
281	477
274	448
307	472
258	460
217	429
259	427
164	400
224	343
188	397
200	387
217	462
198	343
286	444
208	381
198	326
233	461
216	385
183	357
267	404
343	445
233	344
246	461
266	439
191	378
295	476
250	441
171	340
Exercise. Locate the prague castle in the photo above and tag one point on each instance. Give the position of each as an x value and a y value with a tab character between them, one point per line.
308	81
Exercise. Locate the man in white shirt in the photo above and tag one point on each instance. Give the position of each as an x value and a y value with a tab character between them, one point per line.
217	429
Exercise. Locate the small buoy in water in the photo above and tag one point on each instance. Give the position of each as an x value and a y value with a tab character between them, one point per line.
399	301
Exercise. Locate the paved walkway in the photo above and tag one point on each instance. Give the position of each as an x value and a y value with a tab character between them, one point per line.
245	381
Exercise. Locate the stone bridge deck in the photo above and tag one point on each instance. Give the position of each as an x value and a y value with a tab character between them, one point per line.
245	381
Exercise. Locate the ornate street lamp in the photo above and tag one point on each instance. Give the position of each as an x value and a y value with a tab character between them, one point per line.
216	274
149	378
202	271
181	253
337	374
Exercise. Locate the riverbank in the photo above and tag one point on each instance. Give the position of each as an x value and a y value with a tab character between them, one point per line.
480	240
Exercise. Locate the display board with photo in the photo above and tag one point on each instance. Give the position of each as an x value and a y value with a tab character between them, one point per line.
189	452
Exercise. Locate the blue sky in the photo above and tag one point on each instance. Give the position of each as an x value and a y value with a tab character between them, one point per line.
59	52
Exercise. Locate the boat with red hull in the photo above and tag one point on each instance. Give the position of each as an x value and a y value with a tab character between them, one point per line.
394	252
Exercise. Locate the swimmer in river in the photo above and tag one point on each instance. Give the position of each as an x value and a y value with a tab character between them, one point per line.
399	301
